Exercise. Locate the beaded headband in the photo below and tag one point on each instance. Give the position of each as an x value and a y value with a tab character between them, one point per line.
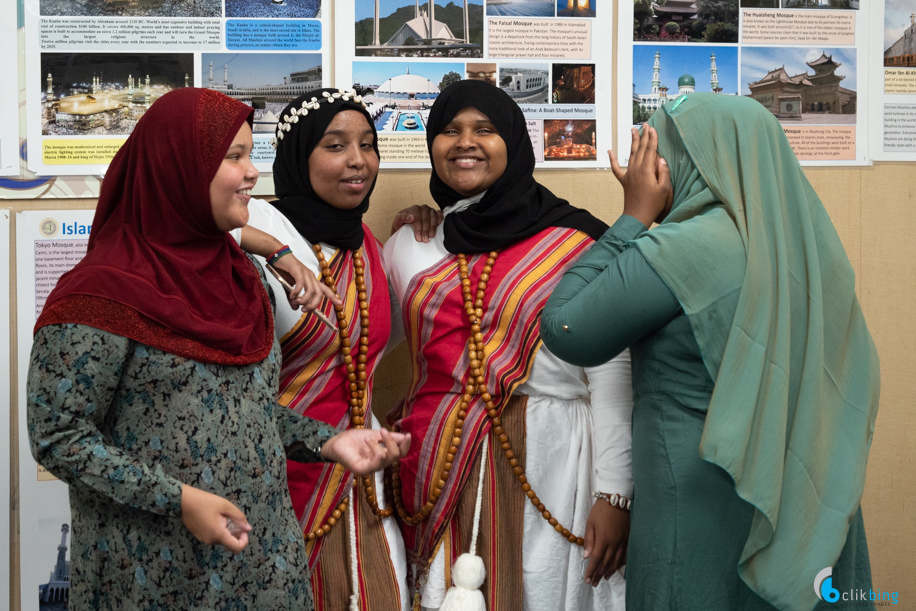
286	123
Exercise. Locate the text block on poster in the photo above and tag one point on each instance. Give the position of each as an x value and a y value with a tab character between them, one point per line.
540	38
401	149
804	27
900	80
273	34
53	258
108	34
900	128
823	142
80	152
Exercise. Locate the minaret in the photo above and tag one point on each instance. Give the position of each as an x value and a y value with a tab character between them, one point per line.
50	95
185	79
60	569
375	40
225	76
656	81
416	11
467	30
714	83
147	85
210	81
130	84
432	18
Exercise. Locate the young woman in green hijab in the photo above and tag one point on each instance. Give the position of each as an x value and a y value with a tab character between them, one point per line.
755	377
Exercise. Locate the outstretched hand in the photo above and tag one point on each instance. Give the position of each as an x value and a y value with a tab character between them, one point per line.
647	190
363	451
606	534
214	520
304	290
423	219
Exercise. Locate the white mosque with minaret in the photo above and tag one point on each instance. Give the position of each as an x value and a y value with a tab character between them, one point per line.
424	30
685	84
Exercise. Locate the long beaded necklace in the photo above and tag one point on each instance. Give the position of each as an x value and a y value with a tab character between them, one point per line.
356	375
476	386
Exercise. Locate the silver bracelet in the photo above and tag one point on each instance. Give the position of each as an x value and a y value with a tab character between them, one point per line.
616	500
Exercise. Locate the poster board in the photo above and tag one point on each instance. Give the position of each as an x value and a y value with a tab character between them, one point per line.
48	243
893	61
554	57
5	413
93	67
805	60
9	91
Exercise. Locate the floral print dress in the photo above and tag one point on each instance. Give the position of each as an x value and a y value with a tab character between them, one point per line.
125	425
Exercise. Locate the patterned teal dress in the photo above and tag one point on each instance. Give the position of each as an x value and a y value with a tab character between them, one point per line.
125	425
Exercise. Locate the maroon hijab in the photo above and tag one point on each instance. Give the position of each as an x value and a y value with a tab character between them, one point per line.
164	273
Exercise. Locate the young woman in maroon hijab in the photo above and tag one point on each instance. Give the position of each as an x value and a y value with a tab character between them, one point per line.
153	380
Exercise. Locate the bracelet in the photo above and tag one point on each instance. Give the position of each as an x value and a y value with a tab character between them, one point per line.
280	252
616	500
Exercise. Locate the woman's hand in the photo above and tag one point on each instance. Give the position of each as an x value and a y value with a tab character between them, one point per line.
307	291
423	218
606	534
213	520
647	191
363	451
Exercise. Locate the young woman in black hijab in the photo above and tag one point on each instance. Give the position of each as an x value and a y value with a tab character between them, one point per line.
487	400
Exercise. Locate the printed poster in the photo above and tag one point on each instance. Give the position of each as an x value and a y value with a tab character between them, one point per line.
553	57
894	108
799	58
9	91
48	243
93	68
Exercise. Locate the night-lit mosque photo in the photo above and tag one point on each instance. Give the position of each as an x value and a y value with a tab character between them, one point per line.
55	594
569	140
131	8
400	94
265	81
405	28
661	74
525	83
105	94
809	86
576	8
573	84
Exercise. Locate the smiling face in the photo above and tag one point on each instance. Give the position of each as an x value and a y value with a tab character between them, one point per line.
230	188
344	164
469	155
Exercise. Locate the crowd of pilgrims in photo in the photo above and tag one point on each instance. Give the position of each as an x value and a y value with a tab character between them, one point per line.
673	411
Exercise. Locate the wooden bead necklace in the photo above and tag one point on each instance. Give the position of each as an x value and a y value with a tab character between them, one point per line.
356	375
473	307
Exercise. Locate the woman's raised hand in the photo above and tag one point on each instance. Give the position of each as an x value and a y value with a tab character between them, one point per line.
647	190
213	520
423	219
363	451
307	291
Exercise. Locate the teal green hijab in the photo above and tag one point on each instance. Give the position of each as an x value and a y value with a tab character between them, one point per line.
757	265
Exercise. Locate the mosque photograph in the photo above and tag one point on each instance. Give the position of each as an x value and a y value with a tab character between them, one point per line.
520	8
485	72
277	9
802	86
686	21
662	73
399	95
573	84
415	28
131	8
525	83
576	8
900	33
265	81
569	140
54	594
105	94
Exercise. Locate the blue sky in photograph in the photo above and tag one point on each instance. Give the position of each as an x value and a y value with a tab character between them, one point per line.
757	61
254	69
896	20
690	59
375	73
366	8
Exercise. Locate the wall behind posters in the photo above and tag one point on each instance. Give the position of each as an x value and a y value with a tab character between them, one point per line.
873	208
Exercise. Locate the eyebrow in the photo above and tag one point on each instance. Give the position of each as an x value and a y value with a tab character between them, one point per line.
340	132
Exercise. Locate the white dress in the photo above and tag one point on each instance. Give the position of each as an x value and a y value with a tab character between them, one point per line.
577	441
263	216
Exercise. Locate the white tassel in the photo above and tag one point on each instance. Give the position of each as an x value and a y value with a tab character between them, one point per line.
468	573
354	566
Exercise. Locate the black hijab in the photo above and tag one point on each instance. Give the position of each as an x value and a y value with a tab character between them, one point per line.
516	206
302	125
